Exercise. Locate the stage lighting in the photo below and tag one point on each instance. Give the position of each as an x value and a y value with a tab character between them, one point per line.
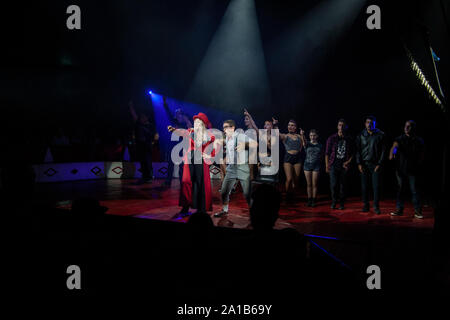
233	69
150	92
424	82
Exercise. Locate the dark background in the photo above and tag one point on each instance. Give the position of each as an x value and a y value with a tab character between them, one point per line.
54	77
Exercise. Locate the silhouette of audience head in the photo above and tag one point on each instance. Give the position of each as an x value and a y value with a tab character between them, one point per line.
201	226
266	204
200	220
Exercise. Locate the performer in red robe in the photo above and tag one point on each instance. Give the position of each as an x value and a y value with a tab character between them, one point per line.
196	182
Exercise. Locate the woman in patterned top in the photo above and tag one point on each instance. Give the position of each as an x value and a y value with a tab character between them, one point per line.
313	160
293	158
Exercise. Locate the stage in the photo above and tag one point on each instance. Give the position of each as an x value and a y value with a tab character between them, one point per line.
354	238
154	201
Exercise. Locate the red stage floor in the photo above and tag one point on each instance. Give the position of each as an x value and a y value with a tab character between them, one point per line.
152	201
356	238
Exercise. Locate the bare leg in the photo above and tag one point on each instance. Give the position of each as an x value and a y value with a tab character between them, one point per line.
298	172
308	176
315	183
288	170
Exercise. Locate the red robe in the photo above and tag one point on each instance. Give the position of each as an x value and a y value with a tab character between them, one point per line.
186	182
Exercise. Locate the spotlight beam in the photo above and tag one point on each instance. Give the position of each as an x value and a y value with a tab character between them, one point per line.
233	71
299	48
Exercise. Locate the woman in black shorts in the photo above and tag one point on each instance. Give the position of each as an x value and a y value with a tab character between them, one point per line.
313	161
293	158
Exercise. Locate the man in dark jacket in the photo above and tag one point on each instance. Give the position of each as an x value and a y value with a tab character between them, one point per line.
338	155
370	155
145	137
408	152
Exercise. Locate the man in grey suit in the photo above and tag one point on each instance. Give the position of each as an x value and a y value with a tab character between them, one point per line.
237	164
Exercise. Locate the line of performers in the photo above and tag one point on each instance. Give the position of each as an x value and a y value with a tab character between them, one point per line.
368	150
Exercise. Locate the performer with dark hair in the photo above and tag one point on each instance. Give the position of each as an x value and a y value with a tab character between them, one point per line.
294	156
408	152
145	136
179	121
268	125
370	155
251	125
237	169
313	161
264	135
196	182
338	155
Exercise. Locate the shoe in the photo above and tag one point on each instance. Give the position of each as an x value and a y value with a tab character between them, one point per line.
377	210
184	210
341	207
333	205
397	212
309	202
220	214
182	214
313	203
167	183
365	208
418	214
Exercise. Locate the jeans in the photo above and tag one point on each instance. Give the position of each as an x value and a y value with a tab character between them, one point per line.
402	180
370	174
228	184
338	183
144	153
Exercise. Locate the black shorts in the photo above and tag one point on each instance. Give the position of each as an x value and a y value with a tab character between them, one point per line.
293	158
312	166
